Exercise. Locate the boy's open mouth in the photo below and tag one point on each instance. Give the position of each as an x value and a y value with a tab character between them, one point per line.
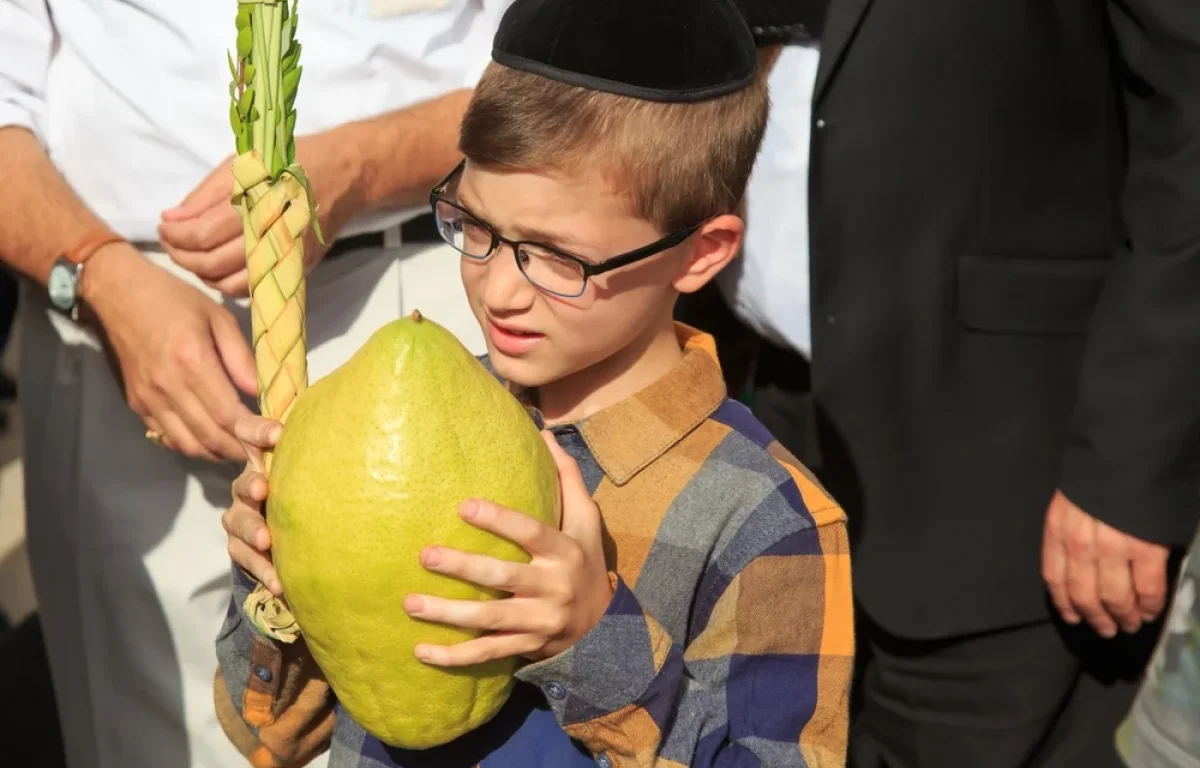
511	340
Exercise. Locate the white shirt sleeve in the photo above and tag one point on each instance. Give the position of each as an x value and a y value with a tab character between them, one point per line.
477	46
26	40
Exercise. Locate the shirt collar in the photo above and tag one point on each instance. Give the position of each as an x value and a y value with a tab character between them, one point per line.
628	436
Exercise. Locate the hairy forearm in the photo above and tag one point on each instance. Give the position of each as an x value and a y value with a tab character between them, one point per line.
42	215
399	156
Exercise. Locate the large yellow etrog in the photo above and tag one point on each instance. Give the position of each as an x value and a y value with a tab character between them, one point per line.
372	467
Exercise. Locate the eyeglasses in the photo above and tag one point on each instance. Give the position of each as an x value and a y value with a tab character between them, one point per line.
545	266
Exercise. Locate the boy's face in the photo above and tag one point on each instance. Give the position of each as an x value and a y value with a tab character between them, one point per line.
533	336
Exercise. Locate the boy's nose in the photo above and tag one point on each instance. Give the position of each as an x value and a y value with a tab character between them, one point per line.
505	287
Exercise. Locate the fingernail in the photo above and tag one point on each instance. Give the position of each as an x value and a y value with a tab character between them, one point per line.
274	433
414	604
422	653
431	557
470	510
276	587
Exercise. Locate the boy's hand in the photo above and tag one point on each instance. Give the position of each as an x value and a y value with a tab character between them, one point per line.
249	539
556	598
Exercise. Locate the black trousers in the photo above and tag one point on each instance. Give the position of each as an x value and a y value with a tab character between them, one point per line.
1037	696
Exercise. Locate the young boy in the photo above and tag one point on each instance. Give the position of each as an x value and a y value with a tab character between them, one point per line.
695	607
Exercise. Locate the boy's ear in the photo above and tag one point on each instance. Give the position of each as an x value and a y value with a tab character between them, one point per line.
712	247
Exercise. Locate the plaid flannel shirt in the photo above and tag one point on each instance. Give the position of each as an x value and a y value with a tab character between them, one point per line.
728	641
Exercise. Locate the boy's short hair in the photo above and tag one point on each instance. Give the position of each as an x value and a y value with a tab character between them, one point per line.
679	163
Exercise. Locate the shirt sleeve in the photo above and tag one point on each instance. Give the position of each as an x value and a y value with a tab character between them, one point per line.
271	698
26	39
765	679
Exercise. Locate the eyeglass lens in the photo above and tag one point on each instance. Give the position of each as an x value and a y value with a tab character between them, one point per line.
544	268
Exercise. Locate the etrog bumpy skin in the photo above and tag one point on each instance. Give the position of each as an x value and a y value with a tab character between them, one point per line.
373	465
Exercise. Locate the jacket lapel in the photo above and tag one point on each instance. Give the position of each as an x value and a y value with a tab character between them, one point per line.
840	26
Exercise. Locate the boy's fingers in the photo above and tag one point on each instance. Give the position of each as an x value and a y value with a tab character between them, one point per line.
484	571
247	525
510	615
568	469
250	487
255	564
529	534
489	648
581	516
257	431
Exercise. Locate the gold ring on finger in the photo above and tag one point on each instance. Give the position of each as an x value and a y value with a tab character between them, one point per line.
154	437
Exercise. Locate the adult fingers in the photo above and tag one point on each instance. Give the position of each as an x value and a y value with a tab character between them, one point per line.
236	285
203	418
1149	569
234	352
1114	579
203	233
1082	577
219	262
1054	564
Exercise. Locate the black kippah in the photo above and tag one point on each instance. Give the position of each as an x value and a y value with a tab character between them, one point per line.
658	50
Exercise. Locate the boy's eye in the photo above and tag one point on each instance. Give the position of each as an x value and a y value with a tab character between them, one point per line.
477	239
551	270
473	229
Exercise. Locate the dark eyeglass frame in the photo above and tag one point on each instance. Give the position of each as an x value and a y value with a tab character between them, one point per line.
590	269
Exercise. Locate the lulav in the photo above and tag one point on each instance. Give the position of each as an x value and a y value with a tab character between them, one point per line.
273	197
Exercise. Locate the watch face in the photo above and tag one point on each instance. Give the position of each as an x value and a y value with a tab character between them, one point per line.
62	286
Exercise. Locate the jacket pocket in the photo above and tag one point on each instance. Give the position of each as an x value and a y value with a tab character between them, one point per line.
1022	295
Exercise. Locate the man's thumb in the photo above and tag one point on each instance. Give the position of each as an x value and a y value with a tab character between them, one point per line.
235	352
217	187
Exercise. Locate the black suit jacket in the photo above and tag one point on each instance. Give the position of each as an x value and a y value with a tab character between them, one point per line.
1005	256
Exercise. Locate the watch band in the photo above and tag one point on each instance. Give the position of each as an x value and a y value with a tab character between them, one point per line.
73	258
90	242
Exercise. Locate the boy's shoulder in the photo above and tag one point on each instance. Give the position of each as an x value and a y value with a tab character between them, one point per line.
749	447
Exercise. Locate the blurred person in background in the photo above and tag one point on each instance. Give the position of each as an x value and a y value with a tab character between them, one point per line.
972	305
115	150
1163	728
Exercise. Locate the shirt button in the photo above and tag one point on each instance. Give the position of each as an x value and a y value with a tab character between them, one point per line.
820	123
603	761
262	673
556	691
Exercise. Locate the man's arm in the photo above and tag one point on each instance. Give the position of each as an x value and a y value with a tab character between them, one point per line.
42	215
401	155
764	681
390	161
1134	460
179	354
1130	485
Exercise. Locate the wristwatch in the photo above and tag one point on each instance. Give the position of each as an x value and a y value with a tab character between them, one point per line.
65	274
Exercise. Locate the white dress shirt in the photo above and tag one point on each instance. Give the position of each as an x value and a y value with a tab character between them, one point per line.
131	99
768	286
